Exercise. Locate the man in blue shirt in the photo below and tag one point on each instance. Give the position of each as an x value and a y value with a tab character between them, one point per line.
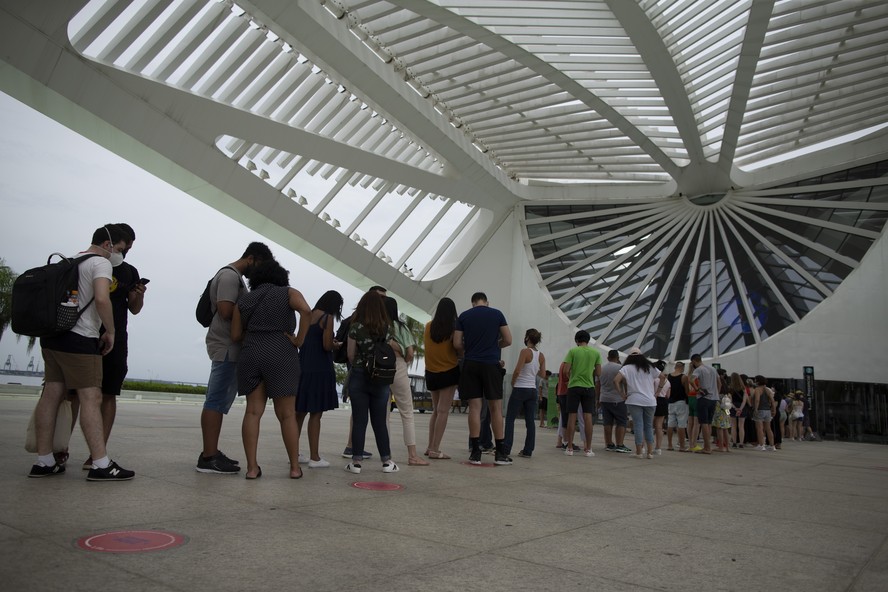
480	334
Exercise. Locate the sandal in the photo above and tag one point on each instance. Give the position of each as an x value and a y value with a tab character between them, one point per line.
438	455
417	462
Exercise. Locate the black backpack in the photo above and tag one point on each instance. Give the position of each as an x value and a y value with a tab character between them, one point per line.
204	312
40	305
380	364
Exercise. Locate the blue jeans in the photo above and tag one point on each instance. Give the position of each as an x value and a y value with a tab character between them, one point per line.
522	398
221	386
642	418
373	399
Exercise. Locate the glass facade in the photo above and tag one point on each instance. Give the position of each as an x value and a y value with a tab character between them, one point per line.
678	276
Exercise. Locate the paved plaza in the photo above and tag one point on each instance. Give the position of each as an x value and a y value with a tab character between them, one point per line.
810	517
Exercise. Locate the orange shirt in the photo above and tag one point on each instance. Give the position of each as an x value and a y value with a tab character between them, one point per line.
439	357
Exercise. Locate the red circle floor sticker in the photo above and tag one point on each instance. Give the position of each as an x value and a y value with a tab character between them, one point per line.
131	541
377	485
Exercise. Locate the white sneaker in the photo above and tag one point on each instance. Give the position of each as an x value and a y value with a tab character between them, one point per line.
568	452
759	448
303	459
650	455
389	466
637	456
589	453
318	464
353	468
658	451
770	448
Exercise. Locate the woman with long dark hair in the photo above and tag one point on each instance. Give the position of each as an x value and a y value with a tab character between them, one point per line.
268	367
403	344
636	382
370	324
739	410
441	373
317	382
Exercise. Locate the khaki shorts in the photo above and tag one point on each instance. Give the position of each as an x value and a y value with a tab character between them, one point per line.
77	371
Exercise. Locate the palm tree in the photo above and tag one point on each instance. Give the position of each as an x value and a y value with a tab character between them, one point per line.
417	329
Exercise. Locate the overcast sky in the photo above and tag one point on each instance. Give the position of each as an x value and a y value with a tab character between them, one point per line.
57	187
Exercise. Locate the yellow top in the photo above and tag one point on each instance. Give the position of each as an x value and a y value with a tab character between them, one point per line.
439	357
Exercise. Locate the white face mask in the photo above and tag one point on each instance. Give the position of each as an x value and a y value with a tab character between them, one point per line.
115	258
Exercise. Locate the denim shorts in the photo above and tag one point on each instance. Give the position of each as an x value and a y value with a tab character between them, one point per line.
222	386
678	415
763	415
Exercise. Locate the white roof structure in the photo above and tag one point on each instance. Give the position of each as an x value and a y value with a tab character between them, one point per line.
683	176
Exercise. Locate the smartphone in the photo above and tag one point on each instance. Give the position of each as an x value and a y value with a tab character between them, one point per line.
143	281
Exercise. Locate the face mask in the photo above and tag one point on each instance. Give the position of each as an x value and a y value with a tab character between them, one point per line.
115	258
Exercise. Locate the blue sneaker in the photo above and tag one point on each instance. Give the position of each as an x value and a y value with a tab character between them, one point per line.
347	453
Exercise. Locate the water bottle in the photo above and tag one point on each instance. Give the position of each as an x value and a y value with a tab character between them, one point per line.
72	299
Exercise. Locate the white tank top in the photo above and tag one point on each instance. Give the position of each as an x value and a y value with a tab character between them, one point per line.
529	371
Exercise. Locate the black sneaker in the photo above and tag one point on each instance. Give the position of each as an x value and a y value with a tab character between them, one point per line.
623	449
502	458
523	454
216	464
113	473
486	449
611	448
230	461
475	457
44	471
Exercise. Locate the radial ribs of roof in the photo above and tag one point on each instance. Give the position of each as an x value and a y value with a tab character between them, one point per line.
675	278
820	77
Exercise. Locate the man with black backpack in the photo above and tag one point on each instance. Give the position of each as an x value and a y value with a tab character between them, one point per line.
73	359
224	290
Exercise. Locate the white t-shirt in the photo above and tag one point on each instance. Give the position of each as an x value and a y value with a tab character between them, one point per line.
662	391
95	267
640	385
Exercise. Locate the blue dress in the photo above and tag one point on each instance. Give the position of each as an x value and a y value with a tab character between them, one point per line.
317	380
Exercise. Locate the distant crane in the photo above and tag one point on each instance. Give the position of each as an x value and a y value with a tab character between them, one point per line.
9	363
31	367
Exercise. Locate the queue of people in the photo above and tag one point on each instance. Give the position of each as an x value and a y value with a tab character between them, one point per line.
265	342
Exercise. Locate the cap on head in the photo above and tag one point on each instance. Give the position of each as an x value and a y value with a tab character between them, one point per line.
634	351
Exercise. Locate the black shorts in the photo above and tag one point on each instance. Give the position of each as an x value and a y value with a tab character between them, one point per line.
435	381
662	409
705	410
543	404
615	413
478	380
114	370
580	395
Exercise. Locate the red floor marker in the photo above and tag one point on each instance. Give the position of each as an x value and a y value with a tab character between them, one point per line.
131	541
377	485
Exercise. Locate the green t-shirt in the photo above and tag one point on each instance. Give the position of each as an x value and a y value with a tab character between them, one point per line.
582	360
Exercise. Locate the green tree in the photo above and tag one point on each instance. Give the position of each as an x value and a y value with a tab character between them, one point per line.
417	329
7	278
